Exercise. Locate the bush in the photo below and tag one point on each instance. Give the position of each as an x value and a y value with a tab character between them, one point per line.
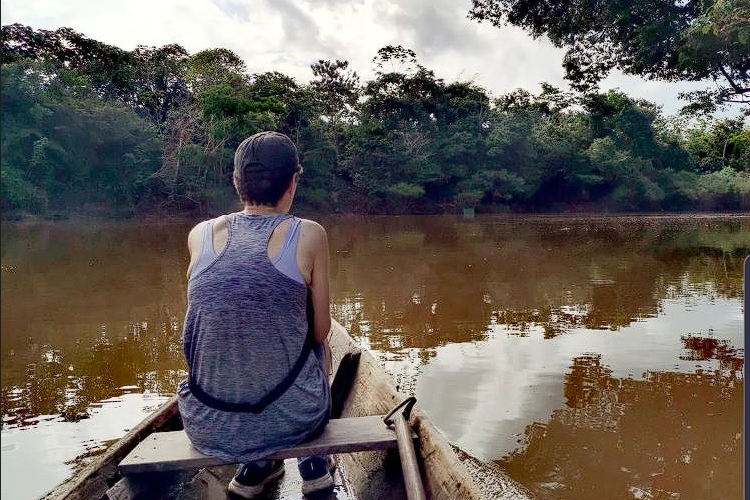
726	189
16	193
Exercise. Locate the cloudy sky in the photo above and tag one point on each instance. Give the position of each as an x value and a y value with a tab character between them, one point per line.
289	35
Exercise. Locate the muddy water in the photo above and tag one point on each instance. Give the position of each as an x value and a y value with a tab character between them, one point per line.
590	357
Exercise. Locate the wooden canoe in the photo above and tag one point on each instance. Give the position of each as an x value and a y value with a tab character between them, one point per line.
447	473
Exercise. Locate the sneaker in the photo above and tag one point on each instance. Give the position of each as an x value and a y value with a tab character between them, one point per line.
316	474
251	479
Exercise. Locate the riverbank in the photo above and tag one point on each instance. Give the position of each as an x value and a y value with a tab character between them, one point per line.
102	214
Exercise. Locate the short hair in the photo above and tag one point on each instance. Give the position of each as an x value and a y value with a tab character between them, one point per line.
265	187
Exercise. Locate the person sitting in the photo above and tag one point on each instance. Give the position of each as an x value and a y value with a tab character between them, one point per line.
253	386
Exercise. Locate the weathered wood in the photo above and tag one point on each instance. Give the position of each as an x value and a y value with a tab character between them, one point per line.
409	466
443	475
169	451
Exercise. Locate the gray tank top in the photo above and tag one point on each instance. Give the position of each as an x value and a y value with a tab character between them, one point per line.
245	327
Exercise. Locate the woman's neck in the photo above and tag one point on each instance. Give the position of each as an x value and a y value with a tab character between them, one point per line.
263	210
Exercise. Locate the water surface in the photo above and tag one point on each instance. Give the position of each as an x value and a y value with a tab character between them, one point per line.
590	357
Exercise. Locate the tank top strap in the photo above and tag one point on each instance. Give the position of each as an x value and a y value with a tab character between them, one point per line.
206	253
208	238
286	260
292	235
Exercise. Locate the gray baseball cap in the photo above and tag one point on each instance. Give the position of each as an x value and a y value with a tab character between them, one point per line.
263	152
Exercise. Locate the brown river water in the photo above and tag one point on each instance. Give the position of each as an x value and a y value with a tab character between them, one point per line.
591	358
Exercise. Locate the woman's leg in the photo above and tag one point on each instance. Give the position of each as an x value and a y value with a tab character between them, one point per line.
316	470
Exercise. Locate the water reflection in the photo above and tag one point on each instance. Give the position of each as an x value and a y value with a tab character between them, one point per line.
444	279
70	382
479	317
667	435
700	348
88	309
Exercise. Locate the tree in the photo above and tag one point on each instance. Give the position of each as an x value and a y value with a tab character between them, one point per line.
331	103
211	67
717	144
158	78
68	150
664	40
108	69
337	87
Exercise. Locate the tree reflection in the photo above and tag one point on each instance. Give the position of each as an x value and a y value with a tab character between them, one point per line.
701	348
669	435
67	382
406	283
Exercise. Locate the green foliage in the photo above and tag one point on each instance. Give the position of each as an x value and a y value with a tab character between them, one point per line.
726	189
406	190
156	129
61	150
19	194
665	40
336	88
212	67
719	144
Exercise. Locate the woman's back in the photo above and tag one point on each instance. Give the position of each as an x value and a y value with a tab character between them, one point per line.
245	328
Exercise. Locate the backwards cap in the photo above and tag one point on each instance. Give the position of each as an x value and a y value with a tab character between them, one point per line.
264	152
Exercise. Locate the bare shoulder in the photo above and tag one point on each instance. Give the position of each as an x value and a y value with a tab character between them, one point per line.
194	236
313	232
220	223
196	233
312	226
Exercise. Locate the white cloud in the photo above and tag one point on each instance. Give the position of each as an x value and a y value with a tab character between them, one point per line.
289	35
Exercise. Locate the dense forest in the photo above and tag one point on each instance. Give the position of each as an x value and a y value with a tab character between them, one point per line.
91	128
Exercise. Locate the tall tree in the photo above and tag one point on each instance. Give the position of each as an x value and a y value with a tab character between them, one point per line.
159	79
211	67
108	69
337	88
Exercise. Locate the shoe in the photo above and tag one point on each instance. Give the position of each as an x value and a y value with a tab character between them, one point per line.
316	474
251	479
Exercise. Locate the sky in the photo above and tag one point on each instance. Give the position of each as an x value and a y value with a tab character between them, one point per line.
289	35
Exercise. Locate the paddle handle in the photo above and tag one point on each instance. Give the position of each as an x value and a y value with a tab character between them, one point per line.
409	466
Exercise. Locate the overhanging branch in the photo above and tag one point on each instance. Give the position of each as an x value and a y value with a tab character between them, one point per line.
732	83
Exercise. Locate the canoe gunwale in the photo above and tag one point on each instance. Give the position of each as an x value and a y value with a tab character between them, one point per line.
443	475
372	393
94	479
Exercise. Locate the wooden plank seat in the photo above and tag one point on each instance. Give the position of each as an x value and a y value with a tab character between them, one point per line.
172	451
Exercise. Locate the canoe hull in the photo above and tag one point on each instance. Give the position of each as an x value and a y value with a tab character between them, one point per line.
373	393
368	475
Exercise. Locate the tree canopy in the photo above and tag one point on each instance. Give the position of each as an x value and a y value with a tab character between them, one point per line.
671	40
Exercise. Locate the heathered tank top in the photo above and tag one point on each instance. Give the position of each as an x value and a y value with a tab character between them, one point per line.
245	327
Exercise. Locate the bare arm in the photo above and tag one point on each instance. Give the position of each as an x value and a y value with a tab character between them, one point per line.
317	239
